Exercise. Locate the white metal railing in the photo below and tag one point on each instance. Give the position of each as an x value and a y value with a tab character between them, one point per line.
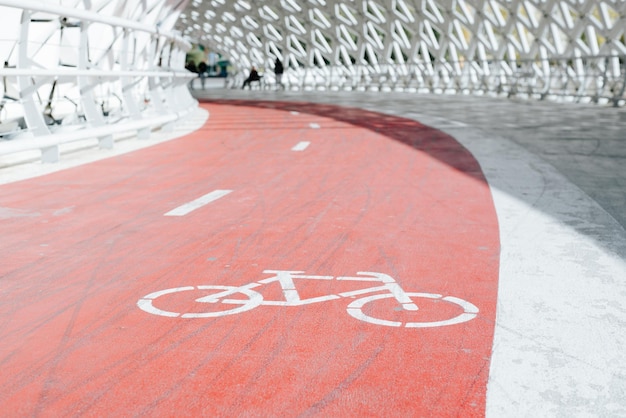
88	16
48	145
138	84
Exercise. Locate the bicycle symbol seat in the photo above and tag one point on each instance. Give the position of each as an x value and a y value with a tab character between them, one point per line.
224	303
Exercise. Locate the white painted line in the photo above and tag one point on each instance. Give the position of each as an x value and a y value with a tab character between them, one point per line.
301	146
293	112
314	125
198	203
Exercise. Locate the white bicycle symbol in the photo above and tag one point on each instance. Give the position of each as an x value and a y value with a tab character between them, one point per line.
252	298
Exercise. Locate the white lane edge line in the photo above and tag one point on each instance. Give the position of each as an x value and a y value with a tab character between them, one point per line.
301	146
183	210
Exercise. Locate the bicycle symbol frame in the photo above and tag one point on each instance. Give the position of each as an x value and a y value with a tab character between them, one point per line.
292	298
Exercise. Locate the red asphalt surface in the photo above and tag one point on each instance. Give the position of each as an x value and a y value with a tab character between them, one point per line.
371	193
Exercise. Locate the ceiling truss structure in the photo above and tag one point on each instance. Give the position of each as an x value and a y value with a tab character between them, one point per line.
571	49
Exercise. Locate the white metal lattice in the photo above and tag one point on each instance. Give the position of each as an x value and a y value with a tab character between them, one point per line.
540	48
75	64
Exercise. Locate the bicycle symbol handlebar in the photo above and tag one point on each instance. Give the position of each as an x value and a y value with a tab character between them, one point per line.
221	298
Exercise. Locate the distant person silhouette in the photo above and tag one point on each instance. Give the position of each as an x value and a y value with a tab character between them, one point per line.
191	66
278	71
202	72
254	76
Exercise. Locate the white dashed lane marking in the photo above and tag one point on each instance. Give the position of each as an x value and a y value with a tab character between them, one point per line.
301	146
198	203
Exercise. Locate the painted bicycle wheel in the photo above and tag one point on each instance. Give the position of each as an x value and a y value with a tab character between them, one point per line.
469	311
252	300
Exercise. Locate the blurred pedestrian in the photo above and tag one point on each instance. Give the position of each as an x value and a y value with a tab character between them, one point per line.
278	71
191	66
254	76
202	72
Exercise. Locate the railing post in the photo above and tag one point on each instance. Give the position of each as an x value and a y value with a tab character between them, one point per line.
32	113
155	83
86	86
128	85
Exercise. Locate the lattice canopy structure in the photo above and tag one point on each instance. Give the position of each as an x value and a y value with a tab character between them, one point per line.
571	49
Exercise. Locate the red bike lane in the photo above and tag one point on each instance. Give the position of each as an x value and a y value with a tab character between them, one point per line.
313	188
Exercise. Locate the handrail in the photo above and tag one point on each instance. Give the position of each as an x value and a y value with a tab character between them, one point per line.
48	144
86	15
14	72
